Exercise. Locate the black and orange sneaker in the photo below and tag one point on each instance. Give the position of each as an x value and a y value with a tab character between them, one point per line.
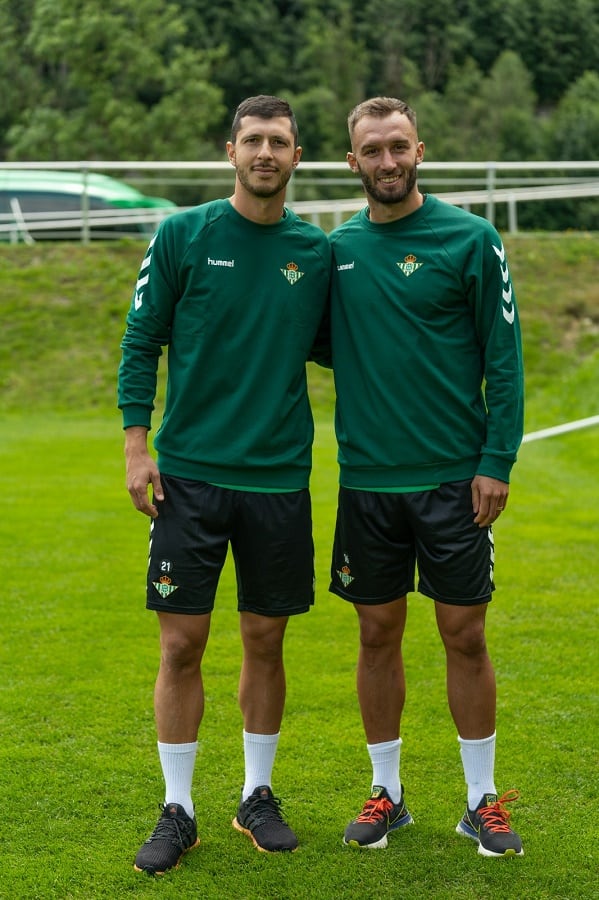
174	835
379	816
260	818
488	825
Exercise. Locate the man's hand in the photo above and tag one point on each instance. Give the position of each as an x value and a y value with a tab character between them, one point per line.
141	471
489	499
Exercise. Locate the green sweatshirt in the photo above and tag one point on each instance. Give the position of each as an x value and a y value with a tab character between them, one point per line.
426	350
238	305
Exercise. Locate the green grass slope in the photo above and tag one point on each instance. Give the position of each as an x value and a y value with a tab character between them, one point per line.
63	306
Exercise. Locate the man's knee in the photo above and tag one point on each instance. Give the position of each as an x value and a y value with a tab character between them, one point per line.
381	626
262	636
462	630
469	640
183	640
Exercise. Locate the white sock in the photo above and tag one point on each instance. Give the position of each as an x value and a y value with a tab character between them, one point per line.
178	761
385	766
259	752
478	760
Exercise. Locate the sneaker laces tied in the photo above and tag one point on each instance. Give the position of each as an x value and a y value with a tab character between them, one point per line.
263	810
496	817
375	810
164	830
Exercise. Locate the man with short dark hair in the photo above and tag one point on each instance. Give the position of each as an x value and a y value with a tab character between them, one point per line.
236	290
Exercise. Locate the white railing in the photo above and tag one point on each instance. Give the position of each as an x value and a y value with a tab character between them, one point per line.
510	196
104	223
481	183
560	429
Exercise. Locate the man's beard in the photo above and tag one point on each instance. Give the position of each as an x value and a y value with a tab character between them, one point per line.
263	189
396	194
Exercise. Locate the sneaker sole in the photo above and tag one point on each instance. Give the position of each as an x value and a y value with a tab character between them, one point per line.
170	868
464	831
382	843
239	827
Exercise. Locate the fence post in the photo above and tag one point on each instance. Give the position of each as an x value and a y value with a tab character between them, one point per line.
512	214
290	192
490	212
85	228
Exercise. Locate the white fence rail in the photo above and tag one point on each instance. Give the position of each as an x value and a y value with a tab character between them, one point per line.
481	183
20	226
560	429
510	196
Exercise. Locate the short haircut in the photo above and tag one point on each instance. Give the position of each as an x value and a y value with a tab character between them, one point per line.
264	106
379	108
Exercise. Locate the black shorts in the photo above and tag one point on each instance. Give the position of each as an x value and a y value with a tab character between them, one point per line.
380	538
271	542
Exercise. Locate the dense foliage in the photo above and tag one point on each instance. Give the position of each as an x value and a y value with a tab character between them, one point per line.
143	79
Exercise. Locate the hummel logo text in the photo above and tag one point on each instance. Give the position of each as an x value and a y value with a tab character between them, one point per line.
230	263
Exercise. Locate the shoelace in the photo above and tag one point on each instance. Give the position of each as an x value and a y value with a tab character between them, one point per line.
264	809
496	817
375	810
168	830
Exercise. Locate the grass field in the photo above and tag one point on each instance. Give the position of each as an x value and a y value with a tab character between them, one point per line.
78	765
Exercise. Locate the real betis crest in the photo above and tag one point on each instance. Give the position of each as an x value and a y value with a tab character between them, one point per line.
292	273
345	576
409	265
164	586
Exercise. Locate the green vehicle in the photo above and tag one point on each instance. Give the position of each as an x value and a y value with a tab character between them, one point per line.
56	205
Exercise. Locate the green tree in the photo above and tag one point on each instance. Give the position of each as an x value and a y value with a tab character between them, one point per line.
562	44
478	117
452	121
118	82
572	131
433	36
328	49
19	79
496	24
507	128
556	42
259	48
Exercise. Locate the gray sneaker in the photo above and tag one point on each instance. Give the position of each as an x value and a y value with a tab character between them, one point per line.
379	816
260	818
488	826
174	835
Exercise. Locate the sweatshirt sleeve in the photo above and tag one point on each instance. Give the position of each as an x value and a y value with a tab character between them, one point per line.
498	330
321	352
147	332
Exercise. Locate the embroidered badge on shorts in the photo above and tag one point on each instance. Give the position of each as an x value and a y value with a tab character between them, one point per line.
344	573
165	586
